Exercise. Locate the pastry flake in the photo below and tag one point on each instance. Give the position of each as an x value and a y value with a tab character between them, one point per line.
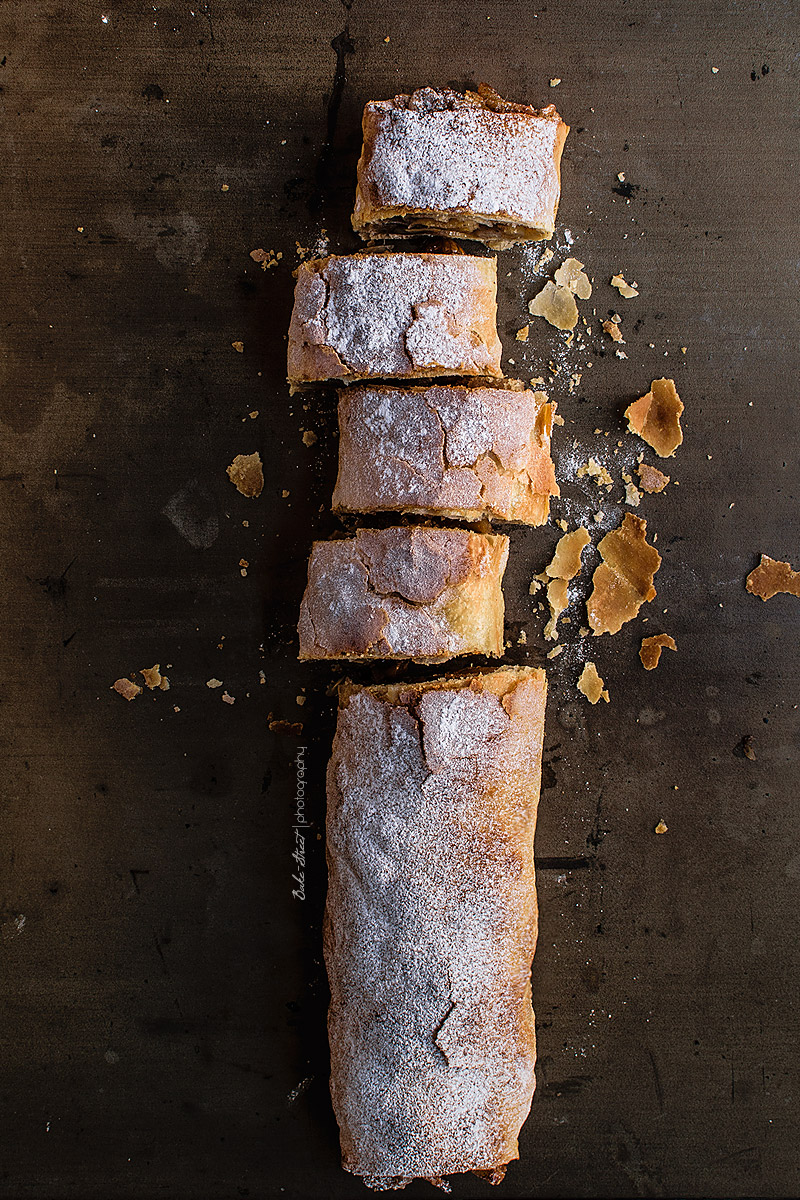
394	316
247	475
453	451
651	647
469	166
614	332
592	685
406	593
623	582
126	688
556	301
651	479
565	565
772	576
626	290
656	417
557	306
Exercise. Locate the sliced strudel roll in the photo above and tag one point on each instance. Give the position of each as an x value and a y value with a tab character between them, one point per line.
394	316
431	923
448	450
411	592
471	166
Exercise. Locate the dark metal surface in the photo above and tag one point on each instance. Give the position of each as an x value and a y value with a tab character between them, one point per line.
164	997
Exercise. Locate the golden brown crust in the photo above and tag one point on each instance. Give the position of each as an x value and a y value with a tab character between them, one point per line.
394	316
406	592
446	450
472	165
431	923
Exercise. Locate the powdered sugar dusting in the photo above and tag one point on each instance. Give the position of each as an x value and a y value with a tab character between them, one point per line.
396	315
431	926
400	592
443	152
449	449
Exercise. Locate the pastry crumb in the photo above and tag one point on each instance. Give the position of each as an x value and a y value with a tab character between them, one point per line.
266	258
152	676
213	683
614	332
522	334
247	474
554	653
595	471
592	685
656	417
660	827
747	748
623	581
309	437
651	647
627	290
632	495
772	576
281	726
126	688
522	640
238	347
651	479
227	699
555	82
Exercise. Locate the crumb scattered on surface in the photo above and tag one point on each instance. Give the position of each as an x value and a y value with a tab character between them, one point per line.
213	683
238	347
614	332
247	474
266	258
300	699
591	684
126	688
595	471
252	415
772	576
522	334
522	640
661	827
176	708
152	676
632	495
555	82
623	582
309	437
627	290
656	417
747	748
651	647
554	653
262	678
281	726
651	479
228	699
